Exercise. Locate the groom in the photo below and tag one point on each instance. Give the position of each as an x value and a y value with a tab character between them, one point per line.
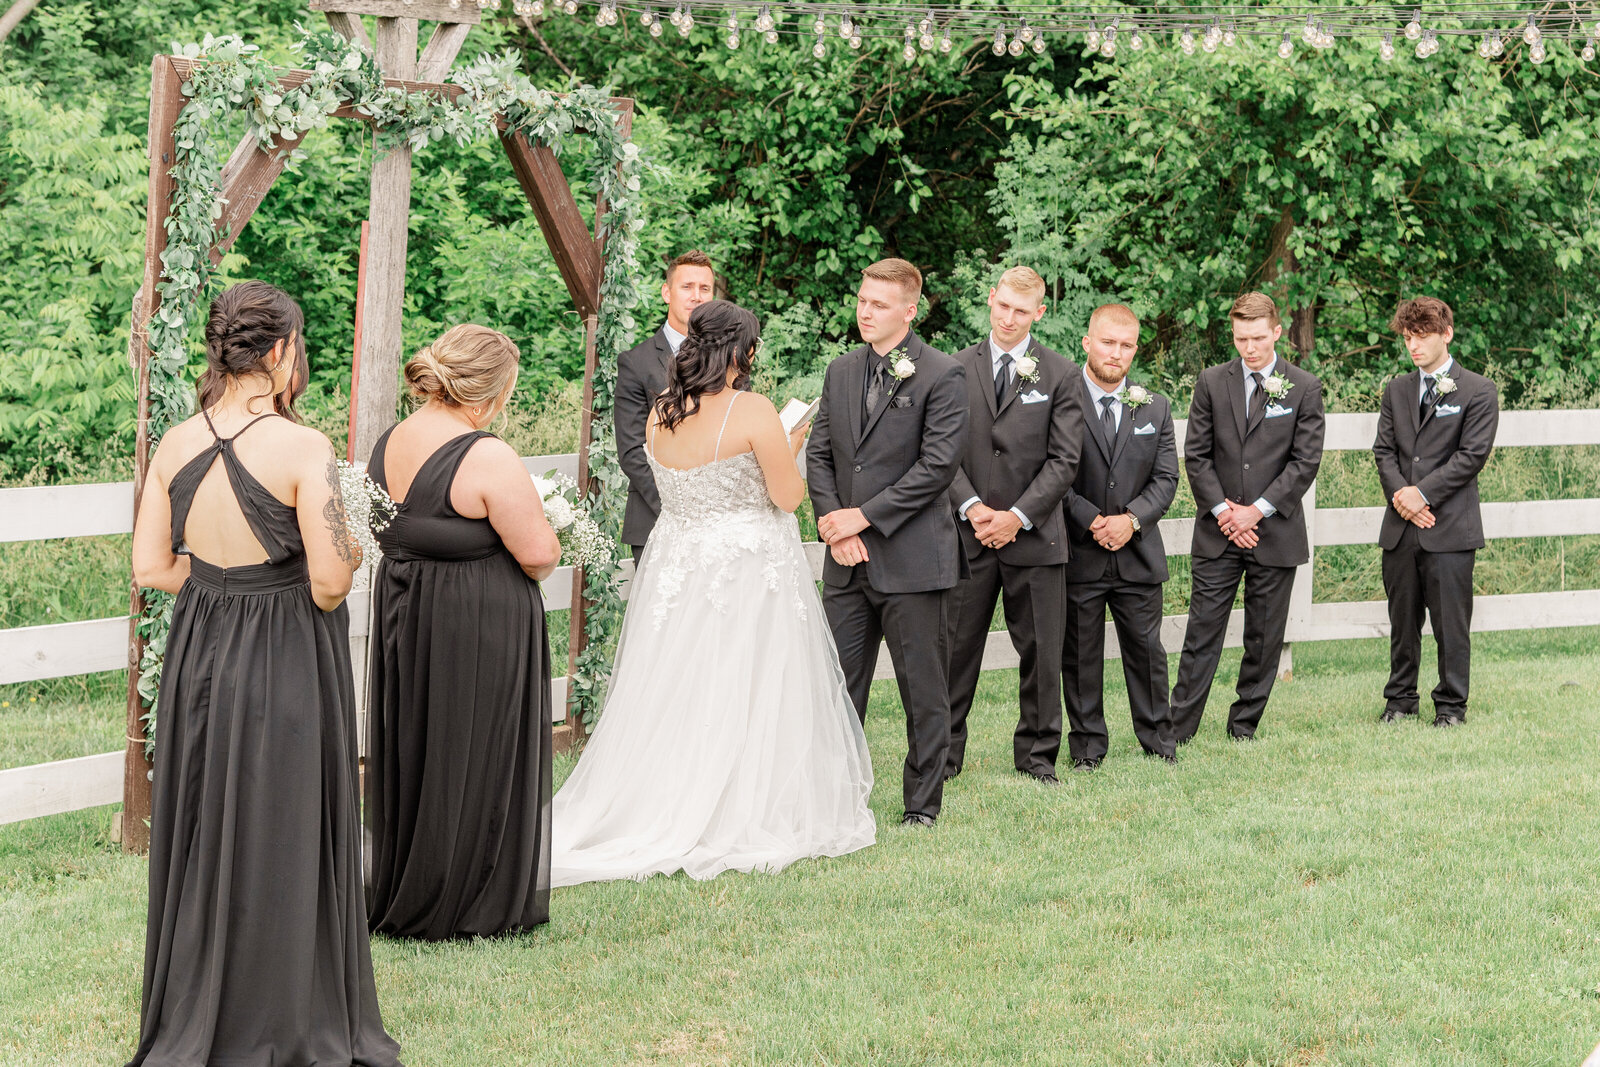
885	446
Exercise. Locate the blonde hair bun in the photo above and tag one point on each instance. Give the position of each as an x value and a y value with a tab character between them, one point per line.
468	366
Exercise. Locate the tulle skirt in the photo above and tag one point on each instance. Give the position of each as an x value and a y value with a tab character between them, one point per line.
728	740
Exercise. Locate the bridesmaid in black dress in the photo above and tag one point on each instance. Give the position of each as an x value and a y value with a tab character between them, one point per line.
255	951
458	720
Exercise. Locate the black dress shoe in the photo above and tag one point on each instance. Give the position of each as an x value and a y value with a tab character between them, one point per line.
1166	757
1396	714
950	773
1043	779
1240	737
1084	766
1448	720
916	818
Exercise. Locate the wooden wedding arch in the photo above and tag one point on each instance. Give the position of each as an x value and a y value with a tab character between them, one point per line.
250	172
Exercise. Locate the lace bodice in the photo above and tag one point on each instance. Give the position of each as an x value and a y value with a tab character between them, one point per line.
712	518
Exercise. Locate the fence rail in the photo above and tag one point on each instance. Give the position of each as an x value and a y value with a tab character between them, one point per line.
35	653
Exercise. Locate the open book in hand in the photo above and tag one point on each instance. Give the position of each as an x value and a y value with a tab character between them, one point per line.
798	413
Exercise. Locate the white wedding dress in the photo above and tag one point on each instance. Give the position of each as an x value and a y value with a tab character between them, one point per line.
728	741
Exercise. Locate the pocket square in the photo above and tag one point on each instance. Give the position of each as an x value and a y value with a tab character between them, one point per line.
1034	397
902	402
1277	410
1140	431
1446	409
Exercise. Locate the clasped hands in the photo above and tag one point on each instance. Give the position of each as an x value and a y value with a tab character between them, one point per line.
1238	524
1111	532
841	530
1412	507
995	529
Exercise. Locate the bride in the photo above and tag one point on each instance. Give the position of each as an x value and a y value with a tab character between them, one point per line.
728	741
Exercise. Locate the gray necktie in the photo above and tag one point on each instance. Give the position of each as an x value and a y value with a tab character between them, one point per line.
874	384
1002	378
1430	395
1108	421
1258	399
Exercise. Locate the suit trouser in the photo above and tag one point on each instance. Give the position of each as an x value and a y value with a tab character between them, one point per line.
1136	613
1266	615
1440	583
913	625
1032	597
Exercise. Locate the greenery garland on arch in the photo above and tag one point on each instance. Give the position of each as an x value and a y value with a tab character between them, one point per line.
231	79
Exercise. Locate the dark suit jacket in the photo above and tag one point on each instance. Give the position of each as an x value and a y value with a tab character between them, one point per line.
1276	458
1442	457
1140	474
897	468
1020	454
641	375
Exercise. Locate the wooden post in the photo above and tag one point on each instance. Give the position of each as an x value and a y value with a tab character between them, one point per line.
1300	597
384	294
166	100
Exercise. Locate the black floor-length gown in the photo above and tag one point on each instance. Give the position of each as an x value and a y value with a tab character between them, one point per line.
256	954
458	721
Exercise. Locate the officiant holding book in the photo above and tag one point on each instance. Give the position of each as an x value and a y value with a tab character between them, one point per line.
1025	437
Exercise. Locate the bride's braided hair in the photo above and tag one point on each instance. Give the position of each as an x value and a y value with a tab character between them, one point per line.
721	335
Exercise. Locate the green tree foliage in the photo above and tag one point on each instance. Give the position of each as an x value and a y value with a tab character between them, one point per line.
1334	180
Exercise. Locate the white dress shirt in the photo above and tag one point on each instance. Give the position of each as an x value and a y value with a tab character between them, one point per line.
674	338
1262	504
1424	378
1016	352
1096	394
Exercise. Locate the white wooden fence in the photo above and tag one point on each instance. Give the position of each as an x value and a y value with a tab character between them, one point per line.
38	652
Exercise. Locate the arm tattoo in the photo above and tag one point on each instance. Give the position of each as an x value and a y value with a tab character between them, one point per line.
338	521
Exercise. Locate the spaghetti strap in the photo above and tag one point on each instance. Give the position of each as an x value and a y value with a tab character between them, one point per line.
209	425
717	450
212	426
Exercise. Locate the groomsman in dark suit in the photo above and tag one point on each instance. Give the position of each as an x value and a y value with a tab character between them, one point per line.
1435	432
884	447
1125	483
1025	432
641	374
1252	450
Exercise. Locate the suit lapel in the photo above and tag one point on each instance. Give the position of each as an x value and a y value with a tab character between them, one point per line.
1407	420
888	397
982	365
1235	391
1092	418
1124	431
855	381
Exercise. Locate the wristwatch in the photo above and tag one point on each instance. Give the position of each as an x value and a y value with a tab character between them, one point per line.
1135	520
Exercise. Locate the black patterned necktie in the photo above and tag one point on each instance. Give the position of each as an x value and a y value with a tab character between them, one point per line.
1430	395
1002	378
1108	421
875	385
1258	399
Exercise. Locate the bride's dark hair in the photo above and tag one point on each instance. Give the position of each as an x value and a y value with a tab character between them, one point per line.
721	335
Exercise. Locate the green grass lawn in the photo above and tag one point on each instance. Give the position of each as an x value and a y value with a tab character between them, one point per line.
1336	892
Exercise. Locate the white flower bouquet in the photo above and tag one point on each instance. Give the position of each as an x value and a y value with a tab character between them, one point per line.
583	544
368	509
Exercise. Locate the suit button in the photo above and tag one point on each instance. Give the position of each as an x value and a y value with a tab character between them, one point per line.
1111	485
997	451
1247	466
1416	459
858	468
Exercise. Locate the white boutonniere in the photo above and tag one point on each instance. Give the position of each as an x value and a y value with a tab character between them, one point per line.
1027	368
1277	386
903	368
1444	383
1133	397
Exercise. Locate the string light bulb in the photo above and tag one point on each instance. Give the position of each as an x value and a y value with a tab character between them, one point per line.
855	39
1186	42
686	24
655	28
1587	55
1427	46
999	46
1026	33
847	27
1530	32
1536	52
1038	44
909	52
1497	47
819	50
819	27
1414	27
1484	49
925	27
770	36
1016	47
732	42
1309	34
676	18
1229	38
570	7
1285	46
764	20
1386	48
1108	47
945	43
1092	38
1135	41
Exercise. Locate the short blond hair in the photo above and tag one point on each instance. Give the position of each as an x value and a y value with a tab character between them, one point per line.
1022	280
468	366
898	272
1116	312
1254	306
